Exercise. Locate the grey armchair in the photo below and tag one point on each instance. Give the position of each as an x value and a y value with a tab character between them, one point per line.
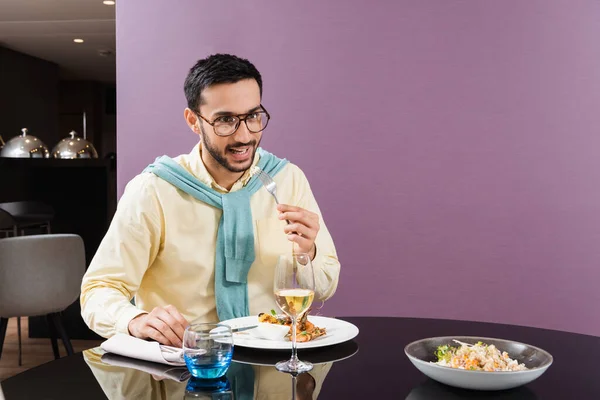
40	275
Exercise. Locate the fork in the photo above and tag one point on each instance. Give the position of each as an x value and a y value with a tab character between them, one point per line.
269	184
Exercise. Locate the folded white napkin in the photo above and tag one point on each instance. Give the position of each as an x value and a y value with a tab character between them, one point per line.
176	373
133	347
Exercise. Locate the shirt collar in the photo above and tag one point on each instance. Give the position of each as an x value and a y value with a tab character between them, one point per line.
197	167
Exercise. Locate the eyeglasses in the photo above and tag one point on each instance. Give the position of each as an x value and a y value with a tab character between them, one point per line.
227	125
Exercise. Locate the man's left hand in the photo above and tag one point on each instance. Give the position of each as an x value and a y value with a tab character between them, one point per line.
303	227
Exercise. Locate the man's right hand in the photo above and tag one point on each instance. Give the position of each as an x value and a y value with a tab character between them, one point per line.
163	324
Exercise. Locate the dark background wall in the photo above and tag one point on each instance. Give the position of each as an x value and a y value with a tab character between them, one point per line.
96	99
29	90
32	96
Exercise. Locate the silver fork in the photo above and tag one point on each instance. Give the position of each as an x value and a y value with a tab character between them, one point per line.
269	184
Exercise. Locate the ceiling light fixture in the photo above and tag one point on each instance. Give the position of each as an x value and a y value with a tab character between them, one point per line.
108	3
78	40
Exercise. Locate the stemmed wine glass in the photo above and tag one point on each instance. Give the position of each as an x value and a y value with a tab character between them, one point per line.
294	289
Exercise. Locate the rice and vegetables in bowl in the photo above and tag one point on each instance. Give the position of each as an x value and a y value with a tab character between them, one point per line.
478	363
476	357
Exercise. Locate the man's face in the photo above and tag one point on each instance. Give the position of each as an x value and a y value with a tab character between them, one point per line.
235	152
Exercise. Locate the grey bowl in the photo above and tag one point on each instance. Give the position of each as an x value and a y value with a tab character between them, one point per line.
421	354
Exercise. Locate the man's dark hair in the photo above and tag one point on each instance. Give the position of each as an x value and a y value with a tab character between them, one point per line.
215	69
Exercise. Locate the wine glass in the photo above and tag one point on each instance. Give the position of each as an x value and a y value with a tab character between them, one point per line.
294	288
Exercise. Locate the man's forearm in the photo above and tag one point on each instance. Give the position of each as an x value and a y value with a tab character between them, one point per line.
107	311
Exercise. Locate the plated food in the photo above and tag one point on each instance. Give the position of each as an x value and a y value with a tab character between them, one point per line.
337	331
476	357
306	330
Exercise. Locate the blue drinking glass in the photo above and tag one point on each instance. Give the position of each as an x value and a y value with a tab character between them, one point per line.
207	350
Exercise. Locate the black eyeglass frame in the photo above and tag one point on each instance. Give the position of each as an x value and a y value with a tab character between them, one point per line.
240	118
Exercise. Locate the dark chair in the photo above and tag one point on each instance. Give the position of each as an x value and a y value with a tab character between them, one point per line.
29	215
40	275
7	223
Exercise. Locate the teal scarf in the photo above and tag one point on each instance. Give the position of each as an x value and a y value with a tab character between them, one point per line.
235	235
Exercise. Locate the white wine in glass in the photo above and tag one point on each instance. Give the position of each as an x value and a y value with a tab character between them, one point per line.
294	302
294	288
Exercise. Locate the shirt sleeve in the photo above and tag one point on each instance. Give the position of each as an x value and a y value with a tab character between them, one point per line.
127	250
326	264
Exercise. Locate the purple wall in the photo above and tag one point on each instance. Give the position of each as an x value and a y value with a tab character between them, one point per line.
454	147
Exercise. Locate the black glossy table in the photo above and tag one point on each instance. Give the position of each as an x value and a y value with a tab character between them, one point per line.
372	366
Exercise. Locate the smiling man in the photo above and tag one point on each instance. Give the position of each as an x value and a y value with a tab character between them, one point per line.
196	238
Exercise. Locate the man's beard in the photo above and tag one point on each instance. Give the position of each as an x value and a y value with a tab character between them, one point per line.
221	158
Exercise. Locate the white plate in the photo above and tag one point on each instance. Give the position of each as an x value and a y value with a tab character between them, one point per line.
338	331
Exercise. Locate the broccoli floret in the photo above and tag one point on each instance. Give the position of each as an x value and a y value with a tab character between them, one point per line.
444	352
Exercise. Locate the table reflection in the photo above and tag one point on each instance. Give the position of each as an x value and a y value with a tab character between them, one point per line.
432	390
252	375
209	389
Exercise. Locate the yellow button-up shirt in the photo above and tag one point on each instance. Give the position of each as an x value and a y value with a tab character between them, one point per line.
160	249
